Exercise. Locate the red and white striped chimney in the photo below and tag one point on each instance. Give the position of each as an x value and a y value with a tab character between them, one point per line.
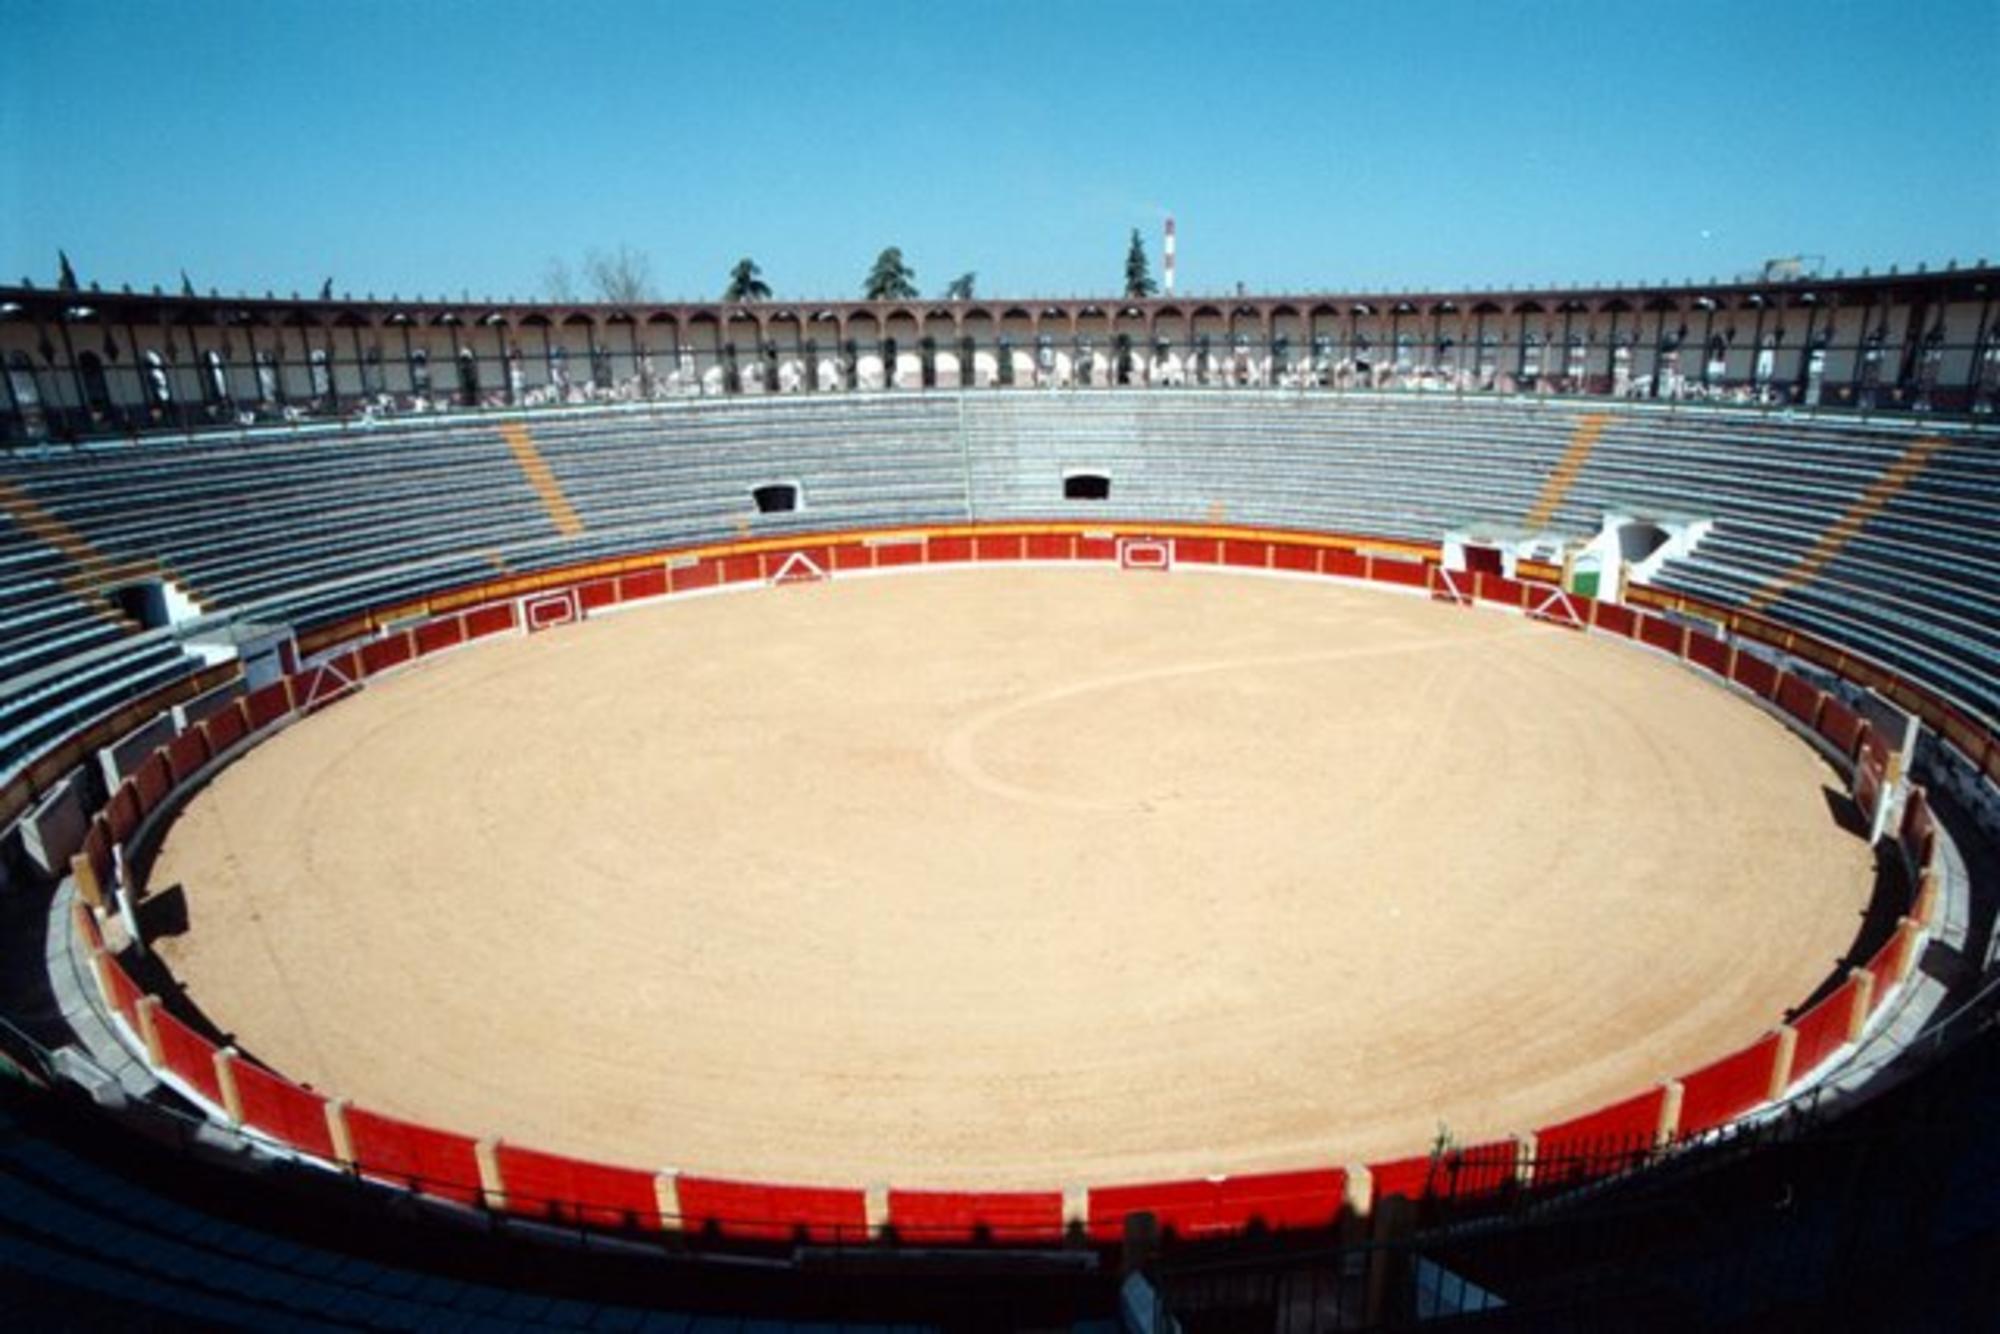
1169	252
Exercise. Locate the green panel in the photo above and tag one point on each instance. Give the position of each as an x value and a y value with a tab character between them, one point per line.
1584	583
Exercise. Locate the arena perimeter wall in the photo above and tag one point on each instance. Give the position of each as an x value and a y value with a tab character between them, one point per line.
333	660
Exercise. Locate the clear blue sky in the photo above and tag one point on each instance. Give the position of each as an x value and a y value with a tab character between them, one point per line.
441	147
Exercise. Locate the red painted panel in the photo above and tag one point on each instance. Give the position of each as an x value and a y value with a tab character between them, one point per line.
1840	725
225	728
1754	674
1660	633
1708	651
154	781
1198	550
1347	564
123	812
436	636
1598	1143
899	553
1876	749
1887	966
1723	1090
1232	1204
548	1185
776	562
1048	546
1822	1029
186	754
1096	548
275	1106
1001	547
1251	555
188	1054
1499	588
435	1162
923	1216
491	620
597	593
942	549
772	1213
1409	573
265	706
1459	1174
704	573
851	556
1918	829
1617	620
1798	699
125	993
642	584
1286	556
741	569
97	850
379	655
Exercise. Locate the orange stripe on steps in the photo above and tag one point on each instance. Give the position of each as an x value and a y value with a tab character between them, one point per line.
536	469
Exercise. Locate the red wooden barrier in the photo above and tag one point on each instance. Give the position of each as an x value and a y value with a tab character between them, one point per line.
596	594
1346	564
274	1106
434	1162
704	573
1048	546
853	556
771	1212
1799	699
1249	555
1724	1089
266	705
125	993
1617	620
225	728
1198	550
1302	560
1660	633
741	569
1455	1174
97	841
1276	1200
924	1216
154	781
1754	674
1096	548
379	655
1502	590
997	546
436	636
1598	1143
122	814
890	554
569	1190
642	584
489	620
1708	651
188	1054
1919	832
186	754
1840	725
1889	966
1823	1029
939	550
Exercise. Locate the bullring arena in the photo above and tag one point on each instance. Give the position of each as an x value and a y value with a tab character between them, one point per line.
1011	877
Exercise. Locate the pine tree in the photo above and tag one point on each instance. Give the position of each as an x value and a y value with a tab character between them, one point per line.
65	275
187	287
890	279
960	288
1138	274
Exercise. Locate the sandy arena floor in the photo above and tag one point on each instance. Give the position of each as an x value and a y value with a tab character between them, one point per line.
1016	877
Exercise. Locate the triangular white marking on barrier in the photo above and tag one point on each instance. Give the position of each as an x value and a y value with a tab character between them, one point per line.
1557	609
798	568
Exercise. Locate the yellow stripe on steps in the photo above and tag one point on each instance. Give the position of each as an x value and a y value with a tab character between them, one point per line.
1843	530
1581	442
91	569
536	470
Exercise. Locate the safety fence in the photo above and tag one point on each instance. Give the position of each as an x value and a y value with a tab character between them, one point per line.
515	1180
